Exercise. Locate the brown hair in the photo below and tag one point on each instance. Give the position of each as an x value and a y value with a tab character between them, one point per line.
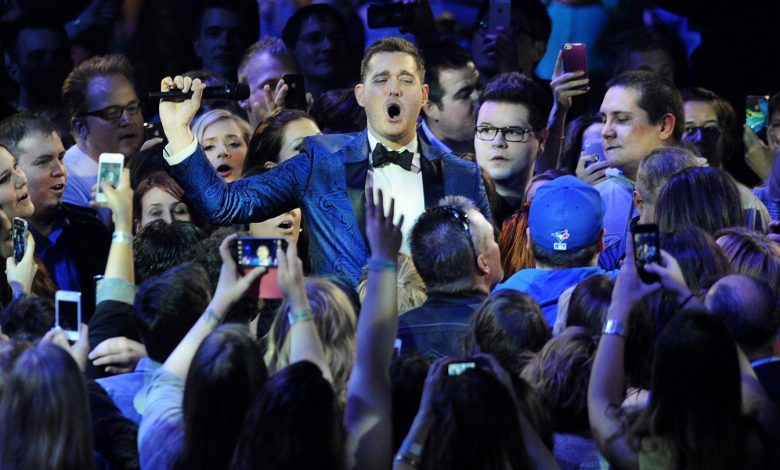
411	288
74	89
393	44
266	141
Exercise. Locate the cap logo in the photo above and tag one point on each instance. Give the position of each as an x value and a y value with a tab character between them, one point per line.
561	236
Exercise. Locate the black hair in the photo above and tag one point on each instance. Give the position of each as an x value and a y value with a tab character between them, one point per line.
440	56
516	88
748	308
160	246
166	306
564	259
292	29
28	318
16	127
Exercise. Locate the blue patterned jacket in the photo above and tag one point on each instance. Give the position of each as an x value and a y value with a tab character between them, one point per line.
327	181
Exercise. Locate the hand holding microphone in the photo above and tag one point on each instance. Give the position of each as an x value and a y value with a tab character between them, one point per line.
176	116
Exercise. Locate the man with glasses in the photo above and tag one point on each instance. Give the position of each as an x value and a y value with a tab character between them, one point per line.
510	134
105	116
454	250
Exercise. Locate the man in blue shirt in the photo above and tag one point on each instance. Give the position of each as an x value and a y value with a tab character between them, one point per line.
565	229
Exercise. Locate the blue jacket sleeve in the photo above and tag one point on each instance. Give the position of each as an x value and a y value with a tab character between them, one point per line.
251	199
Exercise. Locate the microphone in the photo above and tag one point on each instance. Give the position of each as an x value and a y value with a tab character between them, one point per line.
232	91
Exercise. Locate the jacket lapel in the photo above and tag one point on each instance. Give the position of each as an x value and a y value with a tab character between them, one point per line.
355	158
431	167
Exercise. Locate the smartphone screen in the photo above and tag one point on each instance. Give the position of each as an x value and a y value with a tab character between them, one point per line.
296	92
253	252
756	112
19	234
109	170
646	249
457	368
68	313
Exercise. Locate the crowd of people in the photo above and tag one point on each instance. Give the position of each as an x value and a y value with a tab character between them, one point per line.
457	282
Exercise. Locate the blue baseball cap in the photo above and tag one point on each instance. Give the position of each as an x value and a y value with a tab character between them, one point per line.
566	215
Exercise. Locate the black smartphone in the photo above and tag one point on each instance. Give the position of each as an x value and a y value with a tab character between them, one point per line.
251	252
647	249
153	130
296	92
390	15
19	234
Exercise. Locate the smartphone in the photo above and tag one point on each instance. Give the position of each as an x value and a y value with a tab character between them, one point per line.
457	368
252	252
110	167
756	112
19	232
68	312
296	92
499	14
647	249
390	15
595	150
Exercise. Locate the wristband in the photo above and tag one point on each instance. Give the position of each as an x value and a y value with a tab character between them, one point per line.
122	237
297	316
379	265
614	327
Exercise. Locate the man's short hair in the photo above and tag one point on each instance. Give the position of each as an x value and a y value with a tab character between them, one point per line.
28	318
564	259
440	56
270	45
160	246
516	88
74	89
244	9
750	313
31	23
441	251
657	97
320	11
167	305
658	166
16	127
393	44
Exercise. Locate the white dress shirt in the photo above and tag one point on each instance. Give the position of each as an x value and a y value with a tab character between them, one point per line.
406	187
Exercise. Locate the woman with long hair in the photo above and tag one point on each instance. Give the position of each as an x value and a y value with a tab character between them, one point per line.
44	413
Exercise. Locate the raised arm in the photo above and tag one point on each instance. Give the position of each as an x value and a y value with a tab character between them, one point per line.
177	116
565	86
230	288
368	411
606	389
305	343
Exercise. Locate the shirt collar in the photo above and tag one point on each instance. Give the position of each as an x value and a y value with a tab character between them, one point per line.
411	146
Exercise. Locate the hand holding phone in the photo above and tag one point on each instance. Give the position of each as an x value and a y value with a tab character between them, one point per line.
110	167
647	249
296	92
595	150
575	59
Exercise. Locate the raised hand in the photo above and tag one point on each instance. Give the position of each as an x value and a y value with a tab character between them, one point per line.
119	200
117	355
384	236
592	174
565	86
629	288
20	275
290	276
231	285
177	116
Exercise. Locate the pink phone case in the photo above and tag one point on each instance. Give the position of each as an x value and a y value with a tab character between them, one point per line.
575	58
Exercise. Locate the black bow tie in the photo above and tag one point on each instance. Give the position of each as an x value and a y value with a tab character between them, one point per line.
381	157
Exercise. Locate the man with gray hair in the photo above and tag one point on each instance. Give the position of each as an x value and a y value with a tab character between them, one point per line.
654	171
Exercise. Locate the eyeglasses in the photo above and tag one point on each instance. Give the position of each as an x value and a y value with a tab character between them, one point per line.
114	113
706	131
482	29
510	134
460	216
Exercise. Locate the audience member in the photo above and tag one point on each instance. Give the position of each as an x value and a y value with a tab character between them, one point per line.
224	138
457	257
392	91
641	114
158	197
337	111
583	134
278	138
160	246
566	236
515	107
448	117
705	197
317	36
224	29
559	374
751	253
748	308
262	68
69	239
509	326
654	171
38	59
335	319
105	116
